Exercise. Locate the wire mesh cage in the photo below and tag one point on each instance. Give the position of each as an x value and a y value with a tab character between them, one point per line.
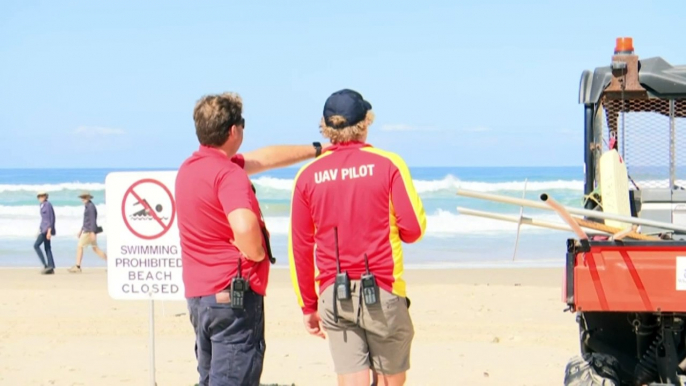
650	136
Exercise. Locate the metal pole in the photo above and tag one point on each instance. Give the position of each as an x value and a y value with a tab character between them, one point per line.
672	145
577	211
523	220
519	223
152	342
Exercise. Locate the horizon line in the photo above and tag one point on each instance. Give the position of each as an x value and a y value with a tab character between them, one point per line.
287	167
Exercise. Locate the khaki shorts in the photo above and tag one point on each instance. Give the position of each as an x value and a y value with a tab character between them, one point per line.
381	341
86	240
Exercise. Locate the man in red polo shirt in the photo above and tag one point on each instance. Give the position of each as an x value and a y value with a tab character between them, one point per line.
223	241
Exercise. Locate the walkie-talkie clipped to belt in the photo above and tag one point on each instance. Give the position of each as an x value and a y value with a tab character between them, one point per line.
341	289
238	288
369	286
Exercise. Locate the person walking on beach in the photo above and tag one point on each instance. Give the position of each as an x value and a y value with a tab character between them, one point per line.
351	210
88	234
46	231
224	242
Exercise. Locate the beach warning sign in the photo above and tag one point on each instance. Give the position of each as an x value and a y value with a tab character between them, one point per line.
144	256
148	213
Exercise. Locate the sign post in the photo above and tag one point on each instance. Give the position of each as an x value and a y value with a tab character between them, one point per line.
152	343
143	242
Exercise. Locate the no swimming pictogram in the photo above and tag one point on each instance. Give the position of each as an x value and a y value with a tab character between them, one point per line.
148	209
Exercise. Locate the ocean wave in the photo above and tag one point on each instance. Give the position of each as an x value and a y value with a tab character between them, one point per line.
23	221
9	211
281	187
271	184
51	188
452	183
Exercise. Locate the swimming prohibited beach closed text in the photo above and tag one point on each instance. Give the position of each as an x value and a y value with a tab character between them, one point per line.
143	239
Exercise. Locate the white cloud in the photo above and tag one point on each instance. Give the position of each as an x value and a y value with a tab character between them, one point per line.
98	131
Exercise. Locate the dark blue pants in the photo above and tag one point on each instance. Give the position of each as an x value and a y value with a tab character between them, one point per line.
229	344
43	239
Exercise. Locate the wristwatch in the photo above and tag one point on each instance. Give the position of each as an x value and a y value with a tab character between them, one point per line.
317	148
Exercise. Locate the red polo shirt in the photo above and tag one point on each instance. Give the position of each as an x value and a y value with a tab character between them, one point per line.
366	193
209	186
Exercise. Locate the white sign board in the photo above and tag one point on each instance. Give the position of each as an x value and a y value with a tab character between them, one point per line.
143	252
681	273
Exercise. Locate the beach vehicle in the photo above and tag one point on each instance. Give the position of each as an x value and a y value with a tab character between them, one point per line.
630	295
625	271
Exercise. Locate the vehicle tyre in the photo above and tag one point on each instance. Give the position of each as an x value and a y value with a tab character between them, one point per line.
592	369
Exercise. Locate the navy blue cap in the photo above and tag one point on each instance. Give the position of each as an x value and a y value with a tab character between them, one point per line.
347	103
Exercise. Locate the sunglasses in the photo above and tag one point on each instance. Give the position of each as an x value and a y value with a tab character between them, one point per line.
241	123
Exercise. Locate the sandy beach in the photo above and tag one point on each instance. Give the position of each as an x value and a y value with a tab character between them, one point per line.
473	326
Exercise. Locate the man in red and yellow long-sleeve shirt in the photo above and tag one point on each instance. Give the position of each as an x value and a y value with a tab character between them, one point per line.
367	195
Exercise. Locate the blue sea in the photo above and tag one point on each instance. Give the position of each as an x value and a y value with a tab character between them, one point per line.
452	239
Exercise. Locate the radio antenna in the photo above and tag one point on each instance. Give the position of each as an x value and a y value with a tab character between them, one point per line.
338	260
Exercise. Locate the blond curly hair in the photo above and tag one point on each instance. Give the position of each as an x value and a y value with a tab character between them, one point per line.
350	133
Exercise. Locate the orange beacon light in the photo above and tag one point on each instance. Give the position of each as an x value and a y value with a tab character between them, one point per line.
624	46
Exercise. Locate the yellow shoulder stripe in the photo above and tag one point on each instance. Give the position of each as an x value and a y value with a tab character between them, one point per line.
416	202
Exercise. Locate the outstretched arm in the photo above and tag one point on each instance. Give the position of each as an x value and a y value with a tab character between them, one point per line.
279	156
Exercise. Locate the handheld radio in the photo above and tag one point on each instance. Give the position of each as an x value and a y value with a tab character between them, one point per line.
342	288
369	287
238	288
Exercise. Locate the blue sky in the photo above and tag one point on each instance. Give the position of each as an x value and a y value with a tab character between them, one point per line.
470	83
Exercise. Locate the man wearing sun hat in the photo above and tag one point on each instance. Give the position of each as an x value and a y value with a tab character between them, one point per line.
88	233
352	208
47	230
